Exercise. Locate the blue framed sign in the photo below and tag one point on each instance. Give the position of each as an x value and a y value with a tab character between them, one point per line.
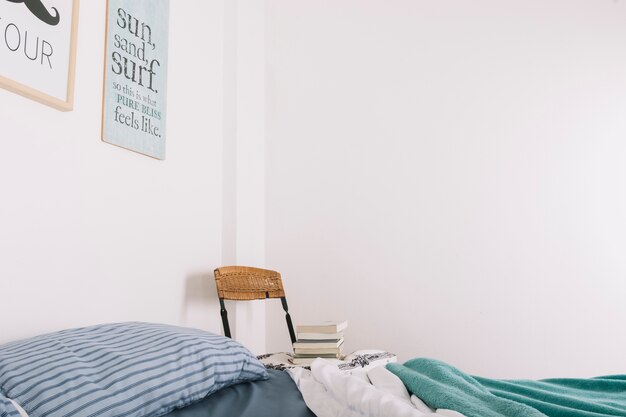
135	75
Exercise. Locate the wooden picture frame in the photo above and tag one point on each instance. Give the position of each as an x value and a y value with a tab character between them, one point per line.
38	50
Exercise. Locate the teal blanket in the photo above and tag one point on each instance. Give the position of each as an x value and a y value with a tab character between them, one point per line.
442	386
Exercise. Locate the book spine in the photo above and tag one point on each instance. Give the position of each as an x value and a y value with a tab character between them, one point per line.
333	351
322	328
318	344
325	356
319	336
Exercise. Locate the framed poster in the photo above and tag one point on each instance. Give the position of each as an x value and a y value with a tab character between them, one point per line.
135	75
38	50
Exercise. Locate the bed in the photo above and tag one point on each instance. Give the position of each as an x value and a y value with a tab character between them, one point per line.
154	370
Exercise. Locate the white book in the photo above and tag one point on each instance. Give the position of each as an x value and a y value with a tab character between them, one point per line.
319	336
317	352
307	361
323	327
302	361
318	344
319	355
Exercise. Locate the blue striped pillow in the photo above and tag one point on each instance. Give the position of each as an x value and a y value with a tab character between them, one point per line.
121	370
6	408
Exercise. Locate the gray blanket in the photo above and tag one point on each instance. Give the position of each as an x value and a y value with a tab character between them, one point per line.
277	397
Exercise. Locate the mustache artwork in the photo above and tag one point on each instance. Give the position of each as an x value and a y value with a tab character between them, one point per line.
40	11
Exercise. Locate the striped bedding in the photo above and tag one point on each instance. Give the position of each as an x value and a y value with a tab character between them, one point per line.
6	408
121	370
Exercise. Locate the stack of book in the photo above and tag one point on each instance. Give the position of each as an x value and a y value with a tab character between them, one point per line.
323	340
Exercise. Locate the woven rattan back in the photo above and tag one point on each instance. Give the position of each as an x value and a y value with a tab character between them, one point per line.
241	283
247	283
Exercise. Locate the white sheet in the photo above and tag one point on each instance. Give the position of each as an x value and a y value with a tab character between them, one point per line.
19	409
328	392
384	380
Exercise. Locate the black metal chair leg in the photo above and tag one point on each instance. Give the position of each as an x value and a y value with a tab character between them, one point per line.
224	315
292	334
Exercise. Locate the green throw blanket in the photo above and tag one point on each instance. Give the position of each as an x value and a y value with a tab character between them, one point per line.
442	386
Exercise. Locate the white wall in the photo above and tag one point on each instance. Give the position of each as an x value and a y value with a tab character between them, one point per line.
93	233
449	176
244	162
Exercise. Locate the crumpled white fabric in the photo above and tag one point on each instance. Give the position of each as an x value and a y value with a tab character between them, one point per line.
19	408
328	392
386	381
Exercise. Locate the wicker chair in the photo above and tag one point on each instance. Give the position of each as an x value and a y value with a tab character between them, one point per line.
241	283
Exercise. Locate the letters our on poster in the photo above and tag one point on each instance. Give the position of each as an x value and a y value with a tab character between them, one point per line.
16	39
37	49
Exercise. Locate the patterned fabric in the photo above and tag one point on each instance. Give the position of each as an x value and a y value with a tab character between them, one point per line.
367	359
121	370
6	408
277	361
358	360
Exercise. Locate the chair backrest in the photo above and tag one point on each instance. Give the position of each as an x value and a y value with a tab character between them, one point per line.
241	283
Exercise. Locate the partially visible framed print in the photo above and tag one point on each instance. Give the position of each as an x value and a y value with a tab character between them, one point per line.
38	50
134	100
